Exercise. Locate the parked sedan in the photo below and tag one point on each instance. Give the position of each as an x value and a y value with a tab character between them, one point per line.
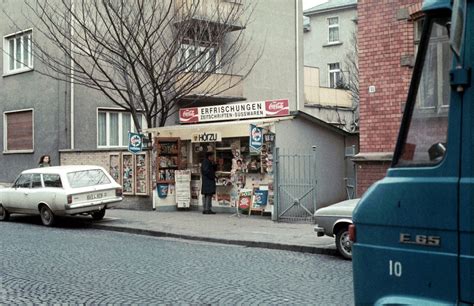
60	191
334	220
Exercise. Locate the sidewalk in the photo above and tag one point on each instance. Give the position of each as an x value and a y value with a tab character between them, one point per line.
251	231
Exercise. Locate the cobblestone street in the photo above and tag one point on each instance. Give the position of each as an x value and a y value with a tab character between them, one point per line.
87	266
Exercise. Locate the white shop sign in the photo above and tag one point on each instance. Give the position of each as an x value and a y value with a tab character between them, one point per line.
206	137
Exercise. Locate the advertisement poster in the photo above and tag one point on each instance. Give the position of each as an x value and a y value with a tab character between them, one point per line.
134	143
245	198
256	139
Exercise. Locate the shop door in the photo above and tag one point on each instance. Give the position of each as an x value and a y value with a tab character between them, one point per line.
295	182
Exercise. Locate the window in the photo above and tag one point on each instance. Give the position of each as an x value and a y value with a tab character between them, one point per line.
427	129
52	180
18	131
198	57
36	181
87	178
333	28
23	181
334	75
113	128
17	52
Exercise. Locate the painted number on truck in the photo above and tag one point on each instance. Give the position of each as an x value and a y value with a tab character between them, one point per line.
394	268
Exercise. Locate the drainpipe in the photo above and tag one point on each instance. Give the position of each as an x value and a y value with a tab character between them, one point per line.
72	78
297	39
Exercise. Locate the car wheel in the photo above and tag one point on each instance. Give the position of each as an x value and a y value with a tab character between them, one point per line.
343	243
4	214
98	215
47	216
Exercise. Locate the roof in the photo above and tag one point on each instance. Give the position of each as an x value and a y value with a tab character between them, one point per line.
429	5
330	6
61	169
322	123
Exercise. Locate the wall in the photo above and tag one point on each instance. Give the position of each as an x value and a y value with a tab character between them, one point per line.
385	36
300	135
316	51
275	74
47	97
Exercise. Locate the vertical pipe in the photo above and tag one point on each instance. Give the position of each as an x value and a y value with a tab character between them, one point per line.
72	77
314	181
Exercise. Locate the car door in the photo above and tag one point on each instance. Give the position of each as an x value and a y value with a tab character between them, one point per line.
19	192
35	194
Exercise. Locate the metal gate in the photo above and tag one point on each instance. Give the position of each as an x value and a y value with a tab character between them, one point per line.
295	186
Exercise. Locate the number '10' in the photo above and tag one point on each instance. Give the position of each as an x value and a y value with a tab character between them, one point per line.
395	268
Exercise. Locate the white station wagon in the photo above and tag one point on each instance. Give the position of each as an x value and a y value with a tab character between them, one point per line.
60	191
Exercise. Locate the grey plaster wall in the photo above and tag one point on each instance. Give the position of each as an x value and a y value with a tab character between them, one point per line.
299	136
273	27
30	90
317	53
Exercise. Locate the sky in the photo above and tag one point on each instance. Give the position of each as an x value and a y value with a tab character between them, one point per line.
310	3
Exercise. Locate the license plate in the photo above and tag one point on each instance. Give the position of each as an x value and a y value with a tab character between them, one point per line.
95	196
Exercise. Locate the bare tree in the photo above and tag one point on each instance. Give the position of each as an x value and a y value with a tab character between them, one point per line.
350	79
144	55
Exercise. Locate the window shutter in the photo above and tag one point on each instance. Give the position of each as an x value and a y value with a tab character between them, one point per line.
20	131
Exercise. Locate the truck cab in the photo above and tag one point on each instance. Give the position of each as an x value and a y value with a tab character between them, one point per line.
413	232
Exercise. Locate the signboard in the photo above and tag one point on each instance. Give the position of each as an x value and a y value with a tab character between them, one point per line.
259	109
256	139
206	137
134	143
183	188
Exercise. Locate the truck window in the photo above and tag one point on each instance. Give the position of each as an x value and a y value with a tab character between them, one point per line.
426	138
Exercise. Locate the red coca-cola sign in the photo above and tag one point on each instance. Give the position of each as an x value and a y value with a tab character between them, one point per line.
188	115
276	108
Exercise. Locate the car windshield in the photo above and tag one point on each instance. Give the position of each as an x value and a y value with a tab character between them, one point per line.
87	178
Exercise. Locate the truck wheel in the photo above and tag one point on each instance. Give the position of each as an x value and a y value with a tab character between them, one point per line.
343	244
47	216
98	215
4	214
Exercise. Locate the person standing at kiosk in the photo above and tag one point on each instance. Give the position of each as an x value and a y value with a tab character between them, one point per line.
208	173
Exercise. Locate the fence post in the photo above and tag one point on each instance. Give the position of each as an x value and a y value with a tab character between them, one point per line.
315	180
276	183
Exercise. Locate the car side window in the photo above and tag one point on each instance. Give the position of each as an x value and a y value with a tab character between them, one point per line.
36	181
52	180
23	181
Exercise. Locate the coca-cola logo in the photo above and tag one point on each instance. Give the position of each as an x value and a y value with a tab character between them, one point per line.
277	108
276	105
188	113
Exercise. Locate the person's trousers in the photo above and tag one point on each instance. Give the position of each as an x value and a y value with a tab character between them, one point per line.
207	202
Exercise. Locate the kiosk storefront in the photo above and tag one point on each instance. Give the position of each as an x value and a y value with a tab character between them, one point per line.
243	151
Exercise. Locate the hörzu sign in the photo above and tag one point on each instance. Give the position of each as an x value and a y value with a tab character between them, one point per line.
259	109
206	137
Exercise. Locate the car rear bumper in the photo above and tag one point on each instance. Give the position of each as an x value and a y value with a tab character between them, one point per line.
73	209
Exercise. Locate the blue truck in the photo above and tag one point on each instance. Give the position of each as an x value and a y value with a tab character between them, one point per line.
413	231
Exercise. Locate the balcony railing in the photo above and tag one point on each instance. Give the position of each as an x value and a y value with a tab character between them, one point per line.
216	87
314	94
226	12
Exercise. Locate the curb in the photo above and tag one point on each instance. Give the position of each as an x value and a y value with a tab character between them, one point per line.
251	244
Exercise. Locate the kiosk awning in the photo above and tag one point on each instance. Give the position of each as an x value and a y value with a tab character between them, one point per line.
227	129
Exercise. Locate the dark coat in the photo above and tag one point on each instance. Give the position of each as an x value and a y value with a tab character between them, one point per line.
208	173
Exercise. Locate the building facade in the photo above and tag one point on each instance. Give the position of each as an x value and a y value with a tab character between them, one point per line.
387	39
330	59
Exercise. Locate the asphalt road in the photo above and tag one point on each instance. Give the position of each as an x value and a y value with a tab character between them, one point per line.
78	265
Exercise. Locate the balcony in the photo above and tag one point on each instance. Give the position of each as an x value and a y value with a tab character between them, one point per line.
218	13
315	95
217	88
